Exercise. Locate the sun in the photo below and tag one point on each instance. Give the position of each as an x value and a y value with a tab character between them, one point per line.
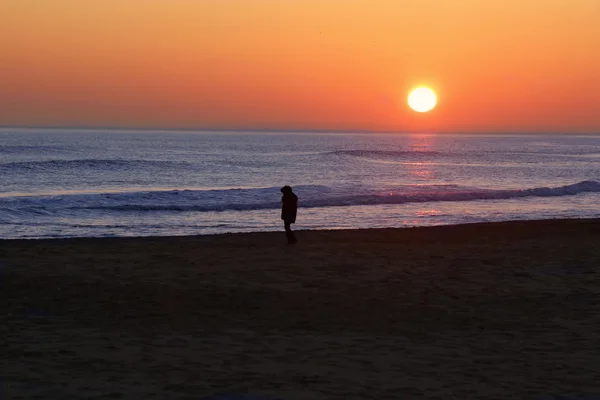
422	99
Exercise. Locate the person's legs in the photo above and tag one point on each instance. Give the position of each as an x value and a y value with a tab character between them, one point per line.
291	237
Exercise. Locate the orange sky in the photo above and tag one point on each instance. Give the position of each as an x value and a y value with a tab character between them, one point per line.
497	65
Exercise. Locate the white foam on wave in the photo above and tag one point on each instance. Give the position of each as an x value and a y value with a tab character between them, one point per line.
246	199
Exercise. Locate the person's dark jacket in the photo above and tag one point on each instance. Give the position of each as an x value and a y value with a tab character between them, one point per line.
289	207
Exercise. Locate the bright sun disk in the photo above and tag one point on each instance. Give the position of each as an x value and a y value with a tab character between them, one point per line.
422	99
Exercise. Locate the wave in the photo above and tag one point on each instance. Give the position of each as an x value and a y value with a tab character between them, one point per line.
85	163
311	196
383	153
20	149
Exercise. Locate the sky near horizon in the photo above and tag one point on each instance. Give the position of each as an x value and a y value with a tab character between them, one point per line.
496	65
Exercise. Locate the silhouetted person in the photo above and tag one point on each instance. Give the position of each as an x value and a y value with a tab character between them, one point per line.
289	207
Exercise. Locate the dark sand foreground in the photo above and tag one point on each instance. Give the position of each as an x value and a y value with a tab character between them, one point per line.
504	310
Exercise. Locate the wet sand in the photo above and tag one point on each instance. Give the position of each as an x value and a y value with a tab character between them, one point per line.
500	310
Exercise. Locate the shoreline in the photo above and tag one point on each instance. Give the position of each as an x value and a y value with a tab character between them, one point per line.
485	310
342	230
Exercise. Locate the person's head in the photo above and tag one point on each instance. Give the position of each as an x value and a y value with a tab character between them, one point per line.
286	189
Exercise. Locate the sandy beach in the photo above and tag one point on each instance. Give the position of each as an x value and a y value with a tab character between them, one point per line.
499	310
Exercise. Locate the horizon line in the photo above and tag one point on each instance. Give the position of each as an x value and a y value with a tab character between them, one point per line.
295	130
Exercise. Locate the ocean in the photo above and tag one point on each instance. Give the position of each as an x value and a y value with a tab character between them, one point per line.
106	183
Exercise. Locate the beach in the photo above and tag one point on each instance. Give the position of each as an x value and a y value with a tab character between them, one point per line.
488	310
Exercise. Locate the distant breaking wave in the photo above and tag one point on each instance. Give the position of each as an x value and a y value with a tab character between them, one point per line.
52	165
10	149
311	196
383	153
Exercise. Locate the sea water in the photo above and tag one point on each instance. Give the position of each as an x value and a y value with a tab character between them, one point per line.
98	183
